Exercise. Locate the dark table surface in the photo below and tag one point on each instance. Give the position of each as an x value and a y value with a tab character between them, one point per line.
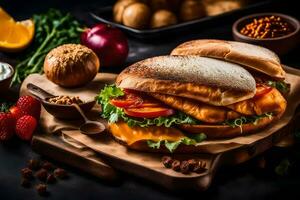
245	181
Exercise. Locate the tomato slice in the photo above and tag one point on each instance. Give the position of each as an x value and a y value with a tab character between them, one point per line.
149	104
126	101
262	90
149	112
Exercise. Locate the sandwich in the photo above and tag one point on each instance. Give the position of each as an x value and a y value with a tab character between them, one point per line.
172	103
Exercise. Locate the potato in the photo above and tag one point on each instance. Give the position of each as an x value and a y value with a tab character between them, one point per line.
191	9
119	8
136	15
162	18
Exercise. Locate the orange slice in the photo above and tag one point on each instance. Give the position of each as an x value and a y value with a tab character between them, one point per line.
14	36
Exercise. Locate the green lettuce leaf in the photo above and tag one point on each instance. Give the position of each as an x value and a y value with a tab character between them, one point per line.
154	145
280	85
171	146
238	122
114	114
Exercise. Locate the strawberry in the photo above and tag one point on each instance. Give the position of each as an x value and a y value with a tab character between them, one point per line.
29	106
7	126
16	112
25	127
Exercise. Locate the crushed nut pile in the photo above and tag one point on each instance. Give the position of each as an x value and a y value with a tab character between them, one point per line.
65	100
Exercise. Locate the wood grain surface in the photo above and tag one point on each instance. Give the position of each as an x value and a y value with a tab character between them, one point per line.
148	165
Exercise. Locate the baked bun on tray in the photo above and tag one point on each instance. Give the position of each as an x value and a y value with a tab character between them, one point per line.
172	103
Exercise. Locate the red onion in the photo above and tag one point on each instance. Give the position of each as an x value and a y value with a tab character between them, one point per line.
109	43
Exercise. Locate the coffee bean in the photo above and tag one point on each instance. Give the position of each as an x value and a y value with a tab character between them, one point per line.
41	189
51	179
192	163
47	165
176	165
60	173
42	174
167	161
184	167
200	167
27	173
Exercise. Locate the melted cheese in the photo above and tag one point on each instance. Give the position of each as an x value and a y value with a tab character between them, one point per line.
130	135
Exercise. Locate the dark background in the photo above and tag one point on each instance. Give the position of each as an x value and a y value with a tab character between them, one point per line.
246	181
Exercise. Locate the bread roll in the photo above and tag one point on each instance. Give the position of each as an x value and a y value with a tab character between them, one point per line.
208	80
71	65
251	56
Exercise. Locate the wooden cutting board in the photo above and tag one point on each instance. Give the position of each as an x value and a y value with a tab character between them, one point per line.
106	152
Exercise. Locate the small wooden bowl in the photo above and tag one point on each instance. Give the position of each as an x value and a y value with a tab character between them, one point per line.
67	111
58	110
280	45
5	83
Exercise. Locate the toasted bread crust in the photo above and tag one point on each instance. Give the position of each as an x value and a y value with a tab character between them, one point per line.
208	80
250	56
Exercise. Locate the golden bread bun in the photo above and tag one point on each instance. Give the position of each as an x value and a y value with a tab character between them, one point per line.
207	80
190	10
219	7
71	65
162	18
250	56
136	15
119	8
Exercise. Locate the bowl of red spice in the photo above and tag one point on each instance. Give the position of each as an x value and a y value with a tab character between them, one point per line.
275	31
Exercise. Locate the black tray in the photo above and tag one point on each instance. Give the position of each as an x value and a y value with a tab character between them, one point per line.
105	15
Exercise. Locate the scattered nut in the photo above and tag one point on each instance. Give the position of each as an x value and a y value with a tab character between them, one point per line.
192	163
42	174
184	167
41	189
33	164
200	167
167	161
176	165
48	166
65	100
51	179
25	182
60	173
27	173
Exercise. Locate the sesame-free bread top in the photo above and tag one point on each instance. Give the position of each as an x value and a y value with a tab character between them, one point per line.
208	80
251	56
